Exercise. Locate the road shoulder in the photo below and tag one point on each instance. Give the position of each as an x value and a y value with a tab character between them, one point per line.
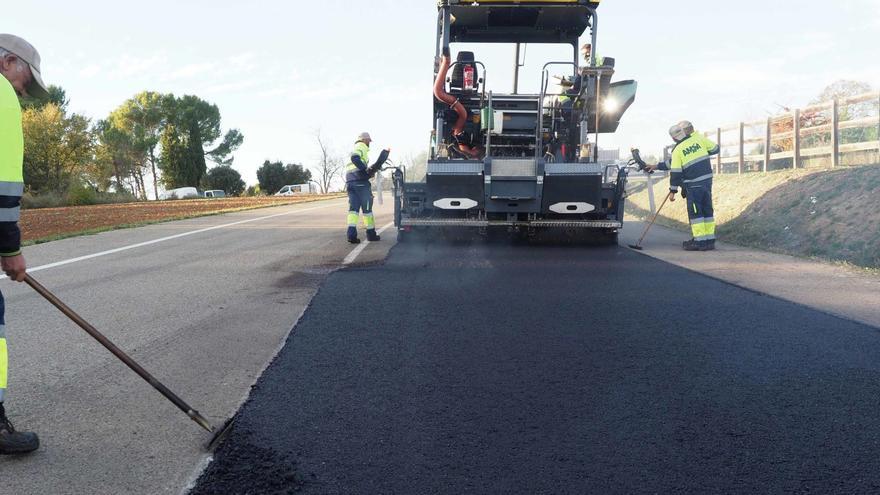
848	293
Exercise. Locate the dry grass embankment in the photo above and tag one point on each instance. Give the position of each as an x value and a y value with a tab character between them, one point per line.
827	214
47	224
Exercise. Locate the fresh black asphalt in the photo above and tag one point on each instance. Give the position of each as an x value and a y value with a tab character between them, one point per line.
524	369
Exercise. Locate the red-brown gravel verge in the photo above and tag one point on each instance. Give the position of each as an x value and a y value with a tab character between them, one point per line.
46	224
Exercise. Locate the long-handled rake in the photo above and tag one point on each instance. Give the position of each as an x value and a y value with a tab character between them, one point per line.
638	246
217	434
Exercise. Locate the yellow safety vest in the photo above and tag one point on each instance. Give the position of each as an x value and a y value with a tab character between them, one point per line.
11	149
352	172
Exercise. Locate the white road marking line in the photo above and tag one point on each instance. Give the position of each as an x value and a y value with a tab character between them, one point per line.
360	247
169	238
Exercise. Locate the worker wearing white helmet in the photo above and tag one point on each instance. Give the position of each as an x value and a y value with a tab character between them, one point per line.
360	193
20	66
691	169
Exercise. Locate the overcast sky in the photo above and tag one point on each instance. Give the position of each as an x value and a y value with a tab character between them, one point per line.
278	70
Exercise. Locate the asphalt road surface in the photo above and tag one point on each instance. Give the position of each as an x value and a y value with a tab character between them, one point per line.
523	369
204	309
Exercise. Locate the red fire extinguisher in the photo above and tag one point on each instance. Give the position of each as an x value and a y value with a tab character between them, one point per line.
468	77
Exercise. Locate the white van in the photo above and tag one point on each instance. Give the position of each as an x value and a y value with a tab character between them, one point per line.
215	193
180	193
294	189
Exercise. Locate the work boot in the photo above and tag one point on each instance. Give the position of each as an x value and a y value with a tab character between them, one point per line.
352	235
372	236
15	442
690	245
707	245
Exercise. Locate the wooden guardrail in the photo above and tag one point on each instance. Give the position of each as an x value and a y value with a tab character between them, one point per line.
808	132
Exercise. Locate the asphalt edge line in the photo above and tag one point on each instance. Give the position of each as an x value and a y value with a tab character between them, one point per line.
208	458
758	292
163	239
360	247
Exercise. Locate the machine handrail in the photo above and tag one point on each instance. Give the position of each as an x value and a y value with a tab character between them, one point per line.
545	81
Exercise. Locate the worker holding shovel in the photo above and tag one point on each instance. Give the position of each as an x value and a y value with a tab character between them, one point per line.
20	66
691	169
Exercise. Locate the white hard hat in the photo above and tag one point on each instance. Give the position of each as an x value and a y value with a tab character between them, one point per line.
364	136
681	130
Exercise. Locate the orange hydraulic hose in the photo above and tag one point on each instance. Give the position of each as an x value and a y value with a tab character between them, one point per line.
441	94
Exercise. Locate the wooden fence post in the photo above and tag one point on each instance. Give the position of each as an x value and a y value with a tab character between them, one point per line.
835	133
742	147
718	160
796	163
768	138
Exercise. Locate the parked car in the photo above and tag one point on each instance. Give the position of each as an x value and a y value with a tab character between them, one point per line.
297	189
215	193
180	193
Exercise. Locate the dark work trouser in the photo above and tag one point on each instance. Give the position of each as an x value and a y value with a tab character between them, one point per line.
360	198
700	211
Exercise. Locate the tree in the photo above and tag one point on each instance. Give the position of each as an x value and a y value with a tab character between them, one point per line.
205	118
191	125
226	178
57	148
173	158
272	176
115	152
296	174
143	118
844	89
57	96
329	165
417	168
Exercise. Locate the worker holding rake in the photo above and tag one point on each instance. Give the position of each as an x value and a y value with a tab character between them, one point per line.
691	169
20	66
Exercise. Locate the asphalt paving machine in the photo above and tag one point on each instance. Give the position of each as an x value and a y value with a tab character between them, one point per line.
516	162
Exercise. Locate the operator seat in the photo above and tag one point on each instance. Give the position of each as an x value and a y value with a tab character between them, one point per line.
457	81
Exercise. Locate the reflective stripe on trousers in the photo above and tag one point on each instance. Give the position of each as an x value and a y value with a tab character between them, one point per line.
360	199
4	360
700	211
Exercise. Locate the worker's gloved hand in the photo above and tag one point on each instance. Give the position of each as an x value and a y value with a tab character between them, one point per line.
684	193
672	196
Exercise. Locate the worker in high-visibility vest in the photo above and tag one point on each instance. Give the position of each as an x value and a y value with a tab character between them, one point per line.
360	192
587	52
20	66
691	169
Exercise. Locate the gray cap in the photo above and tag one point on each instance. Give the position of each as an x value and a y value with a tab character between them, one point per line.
28	54
364	136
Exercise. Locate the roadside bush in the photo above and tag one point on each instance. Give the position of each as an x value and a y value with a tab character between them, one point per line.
75	197
47	200
81	196
117	197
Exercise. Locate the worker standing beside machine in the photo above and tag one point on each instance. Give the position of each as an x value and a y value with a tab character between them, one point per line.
20	66
360	193
691	169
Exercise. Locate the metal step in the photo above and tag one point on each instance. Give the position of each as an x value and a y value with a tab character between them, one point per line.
463	222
